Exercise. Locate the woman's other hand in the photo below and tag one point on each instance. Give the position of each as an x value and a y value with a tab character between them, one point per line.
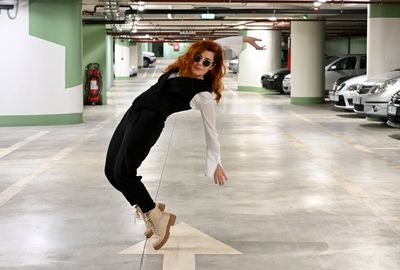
220	176
253	42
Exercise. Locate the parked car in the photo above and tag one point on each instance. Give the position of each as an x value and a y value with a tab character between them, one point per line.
273	80
394	111
148	58
133	71
382	80
344	65
338	86
234	65
341	66
346	91
286	84
376	102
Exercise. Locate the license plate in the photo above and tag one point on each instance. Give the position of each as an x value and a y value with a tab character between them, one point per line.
392	110
336	98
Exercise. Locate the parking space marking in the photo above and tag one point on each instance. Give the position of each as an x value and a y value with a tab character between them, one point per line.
386	215
362	148
18	186
16	146
301	117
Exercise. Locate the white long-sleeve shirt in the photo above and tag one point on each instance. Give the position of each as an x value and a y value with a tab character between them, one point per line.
205	102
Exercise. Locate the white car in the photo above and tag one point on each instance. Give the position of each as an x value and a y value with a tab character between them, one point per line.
286	84
382	81
148	58
346	91
234	65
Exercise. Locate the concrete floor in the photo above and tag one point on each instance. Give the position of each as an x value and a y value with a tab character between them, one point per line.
309	187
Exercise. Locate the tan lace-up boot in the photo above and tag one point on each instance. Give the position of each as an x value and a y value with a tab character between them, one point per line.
161	223
149	228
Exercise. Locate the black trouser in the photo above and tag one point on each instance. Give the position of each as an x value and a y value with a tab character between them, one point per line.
137	132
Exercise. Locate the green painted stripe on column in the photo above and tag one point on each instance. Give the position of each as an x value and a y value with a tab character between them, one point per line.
36	120
384	11
60	22
307	100
251	89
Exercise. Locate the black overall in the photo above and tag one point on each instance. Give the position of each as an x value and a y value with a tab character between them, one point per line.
139	130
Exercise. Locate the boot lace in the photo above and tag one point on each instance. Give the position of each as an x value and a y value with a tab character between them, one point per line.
146	218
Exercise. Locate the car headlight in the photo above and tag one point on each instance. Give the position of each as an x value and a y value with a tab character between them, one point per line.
353	87
275	76
395	96
382	87
340	87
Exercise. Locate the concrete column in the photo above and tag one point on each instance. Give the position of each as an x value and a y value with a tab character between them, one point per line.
121	58
140	54
133	51
255	63
109	61
383	39
307	63
41	64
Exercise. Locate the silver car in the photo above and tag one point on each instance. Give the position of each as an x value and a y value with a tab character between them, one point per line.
346	91
394	111
376	102
381	82
341	66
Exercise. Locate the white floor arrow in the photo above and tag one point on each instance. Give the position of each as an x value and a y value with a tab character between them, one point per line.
184	243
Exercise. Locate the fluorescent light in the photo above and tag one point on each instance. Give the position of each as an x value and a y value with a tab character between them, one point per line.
208	16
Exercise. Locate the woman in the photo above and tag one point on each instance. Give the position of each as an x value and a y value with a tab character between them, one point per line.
193	81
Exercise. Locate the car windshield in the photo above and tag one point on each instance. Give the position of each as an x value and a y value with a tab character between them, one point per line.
330	59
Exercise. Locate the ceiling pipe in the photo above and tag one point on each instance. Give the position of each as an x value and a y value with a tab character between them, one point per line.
338	2
249	11
84	12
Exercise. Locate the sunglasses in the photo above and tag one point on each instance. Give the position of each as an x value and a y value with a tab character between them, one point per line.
206	62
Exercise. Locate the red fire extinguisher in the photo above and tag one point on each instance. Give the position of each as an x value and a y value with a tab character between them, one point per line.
93	85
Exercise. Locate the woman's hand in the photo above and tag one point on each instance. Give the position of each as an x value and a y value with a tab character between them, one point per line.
220	176
253	42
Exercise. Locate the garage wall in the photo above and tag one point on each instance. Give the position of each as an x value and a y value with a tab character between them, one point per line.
41	76
95	51
169	52
338	46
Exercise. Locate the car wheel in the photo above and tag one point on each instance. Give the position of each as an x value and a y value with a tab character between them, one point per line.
146	62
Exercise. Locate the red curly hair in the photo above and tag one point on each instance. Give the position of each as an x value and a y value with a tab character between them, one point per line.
185	61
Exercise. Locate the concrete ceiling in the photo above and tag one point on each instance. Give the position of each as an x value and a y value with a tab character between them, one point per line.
182	21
